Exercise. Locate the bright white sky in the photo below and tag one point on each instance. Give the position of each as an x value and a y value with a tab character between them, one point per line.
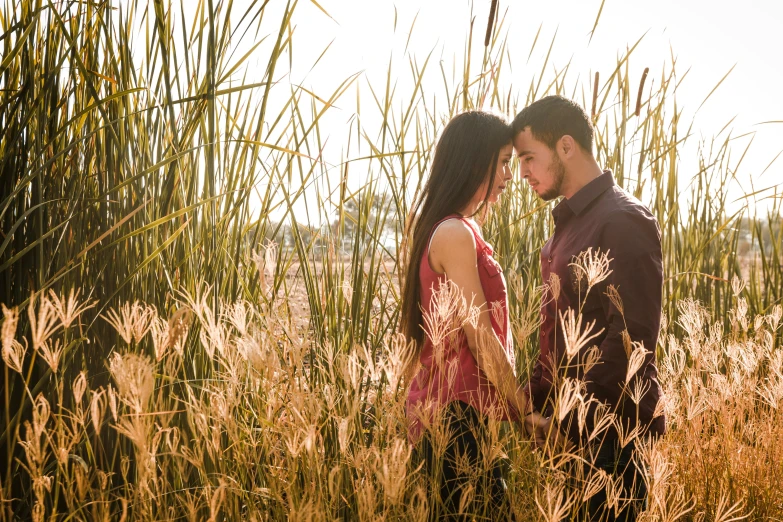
707	36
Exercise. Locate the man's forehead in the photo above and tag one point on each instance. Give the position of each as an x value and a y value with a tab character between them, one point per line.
525	143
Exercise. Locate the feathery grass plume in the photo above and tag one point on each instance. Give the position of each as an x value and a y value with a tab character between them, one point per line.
774	318
97	408
392	472
345	428
554	285
170	334
494	356
159	331
574	336
740	315
528	319
82	483
112	401
497	311
582	409
674	364
51	353
265	262
132	321
593	266
639	390
614	296
42	484
139	430
472	317
13	354
692	318
445	316
34	444
135	380
239	314
399	363
79	386
591	358
603	419
8	330
758	323
771	392
569	396
44	324
64	437
213	334
557	501
635	361
467	491
615	502
729	513
595	483
68	310
737	286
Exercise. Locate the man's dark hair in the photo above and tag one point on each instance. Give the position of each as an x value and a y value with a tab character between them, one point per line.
553	117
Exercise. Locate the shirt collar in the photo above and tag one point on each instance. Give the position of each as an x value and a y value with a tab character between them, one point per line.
590	192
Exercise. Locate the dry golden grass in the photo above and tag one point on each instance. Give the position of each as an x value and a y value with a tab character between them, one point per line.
263	439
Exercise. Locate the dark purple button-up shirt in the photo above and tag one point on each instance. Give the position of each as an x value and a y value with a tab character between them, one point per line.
603	216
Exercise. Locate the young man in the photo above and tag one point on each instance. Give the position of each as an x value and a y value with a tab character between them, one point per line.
553	139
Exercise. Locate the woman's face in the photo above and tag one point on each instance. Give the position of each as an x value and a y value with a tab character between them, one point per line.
502	176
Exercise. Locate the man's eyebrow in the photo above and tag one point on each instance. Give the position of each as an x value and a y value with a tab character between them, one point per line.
523	153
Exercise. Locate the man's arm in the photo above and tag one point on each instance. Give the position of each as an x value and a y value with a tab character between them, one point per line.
633	241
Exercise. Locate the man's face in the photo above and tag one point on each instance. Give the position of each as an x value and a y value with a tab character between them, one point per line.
539	165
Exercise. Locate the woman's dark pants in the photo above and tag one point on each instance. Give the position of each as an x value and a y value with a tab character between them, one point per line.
462	465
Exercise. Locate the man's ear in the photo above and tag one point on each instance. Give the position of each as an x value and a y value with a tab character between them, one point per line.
567	146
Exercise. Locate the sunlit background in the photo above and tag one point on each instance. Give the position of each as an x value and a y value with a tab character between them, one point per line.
713	43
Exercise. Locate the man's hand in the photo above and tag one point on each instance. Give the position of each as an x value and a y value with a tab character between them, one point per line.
545	433
537	426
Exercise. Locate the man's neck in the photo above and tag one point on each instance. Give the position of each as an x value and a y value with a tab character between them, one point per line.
580	175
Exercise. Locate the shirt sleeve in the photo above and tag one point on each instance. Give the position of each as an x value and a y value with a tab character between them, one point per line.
633	242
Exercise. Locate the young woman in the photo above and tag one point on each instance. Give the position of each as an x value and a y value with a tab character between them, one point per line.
468	376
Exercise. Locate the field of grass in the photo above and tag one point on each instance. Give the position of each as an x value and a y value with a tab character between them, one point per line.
180	342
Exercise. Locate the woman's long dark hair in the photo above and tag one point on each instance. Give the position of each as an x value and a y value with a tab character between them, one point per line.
466	154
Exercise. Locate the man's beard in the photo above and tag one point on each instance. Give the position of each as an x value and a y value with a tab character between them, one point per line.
557	169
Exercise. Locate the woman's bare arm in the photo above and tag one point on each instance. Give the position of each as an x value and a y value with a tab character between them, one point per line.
453	252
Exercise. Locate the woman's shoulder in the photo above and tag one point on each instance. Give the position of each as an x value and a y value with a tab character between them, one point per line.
454	230
451	240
